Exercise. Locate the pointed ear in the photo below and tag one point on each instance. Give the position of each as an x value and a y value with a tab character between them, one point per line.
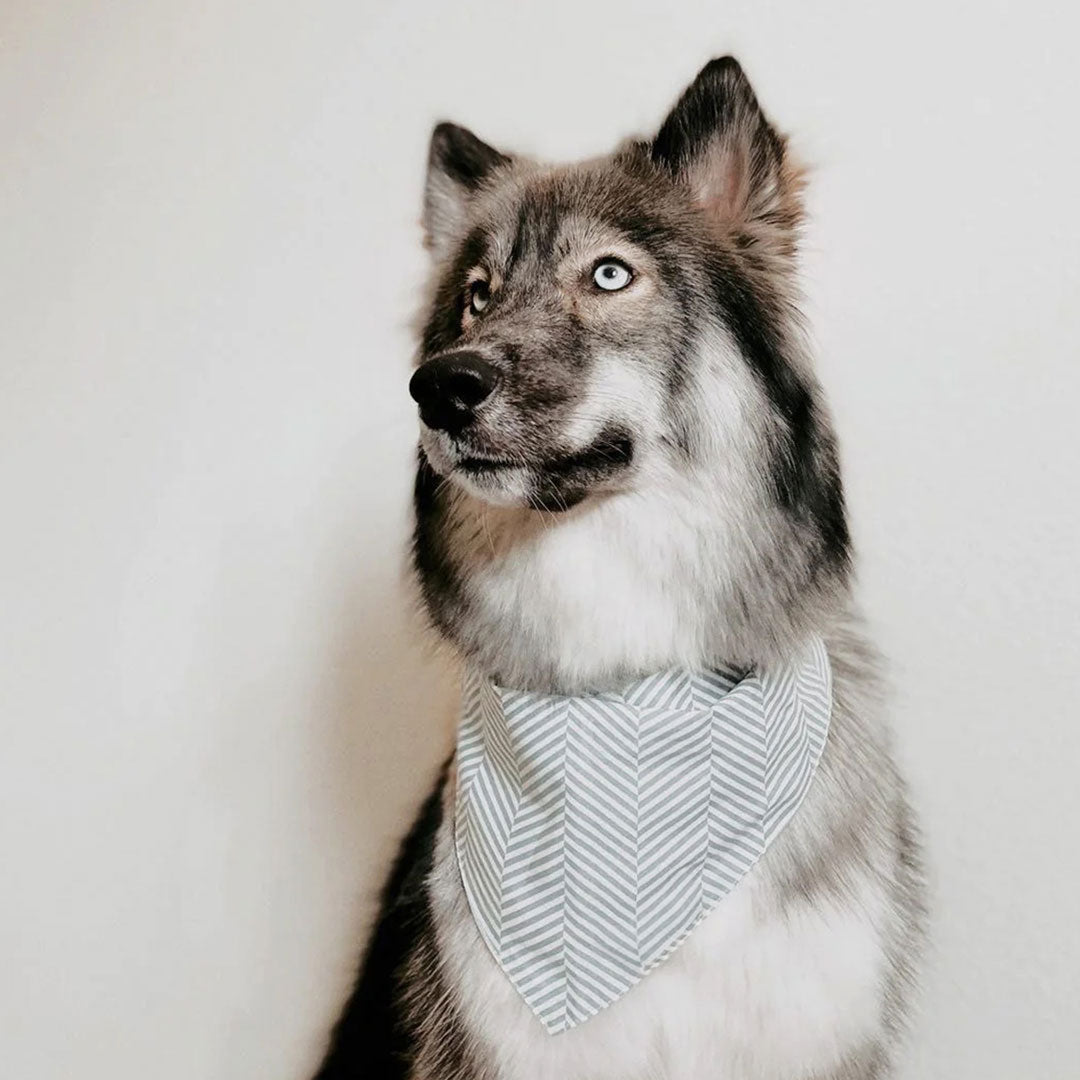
718	143
458	163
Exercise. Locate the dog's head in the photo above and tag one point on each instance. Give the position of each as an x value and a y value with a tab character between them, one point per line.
618	331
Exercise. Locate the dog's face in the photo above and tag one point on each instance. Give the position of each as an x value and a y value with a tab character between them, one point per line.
561	327
615	328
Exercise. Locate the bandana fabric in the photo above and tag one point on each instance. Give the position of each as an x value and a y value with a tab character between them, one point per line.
594	832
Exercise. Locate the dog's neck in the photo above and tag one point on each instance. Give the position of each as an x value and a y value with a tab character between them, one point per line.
622	586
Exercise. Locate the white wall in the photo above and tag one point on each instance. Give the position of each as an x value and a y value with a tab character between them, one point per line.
215	714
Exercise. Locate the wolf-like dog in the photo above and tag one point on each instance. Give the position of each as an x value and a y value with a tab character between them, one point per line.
626	466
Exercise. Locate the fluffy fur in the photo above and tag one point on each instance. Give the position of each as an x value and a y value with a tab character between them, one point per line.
652	482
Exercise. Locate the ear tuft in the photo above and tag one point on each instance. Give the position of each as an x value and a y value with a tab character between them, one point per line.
718	142
458	163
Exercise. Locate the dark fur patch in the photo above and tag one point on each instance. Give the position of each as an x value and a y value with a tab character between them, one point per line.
565	481
804	469
443	327
537	226
439	581
613	448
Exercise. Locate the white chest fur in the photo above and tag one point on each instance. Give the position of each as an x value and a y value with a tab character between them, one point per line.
754	992
630	584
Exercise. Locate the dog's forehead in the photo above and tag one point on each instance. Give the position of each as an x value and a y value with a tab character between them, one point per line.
544	212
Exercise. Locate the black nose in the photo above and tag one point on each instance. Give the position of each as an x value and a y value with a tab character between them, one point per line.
449	388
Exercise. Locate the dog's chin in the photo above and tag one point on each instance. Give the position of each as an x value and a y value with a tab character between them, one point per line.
496	483
490	479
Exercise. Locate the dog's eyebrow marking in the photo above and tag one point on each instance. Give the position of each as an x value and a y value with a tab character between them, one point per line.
641	228
473	250
537	228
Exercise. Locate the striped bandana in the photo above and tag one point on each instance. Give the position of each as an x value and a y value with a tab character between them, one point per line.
594	832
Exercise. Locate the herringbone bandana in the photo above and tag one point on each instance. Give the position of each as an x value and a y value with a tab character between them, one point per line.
594	832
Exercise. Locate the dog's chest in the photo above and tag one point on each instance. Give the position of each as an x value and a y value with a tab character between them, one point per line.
753	992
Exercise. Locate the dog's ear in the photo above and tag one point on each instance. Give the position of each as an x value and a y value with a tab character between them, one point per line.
458	163
718	143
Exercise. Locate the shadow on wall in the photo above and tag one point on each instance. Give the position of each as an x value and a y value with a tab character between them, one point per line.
384	741
394	688
371	730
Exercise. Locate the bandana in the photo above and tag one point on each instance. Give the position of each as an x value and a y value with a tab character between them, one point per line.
595	831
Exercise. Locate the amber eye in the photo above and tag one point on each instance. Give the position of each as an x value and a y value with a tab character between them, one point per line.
479	296
612	275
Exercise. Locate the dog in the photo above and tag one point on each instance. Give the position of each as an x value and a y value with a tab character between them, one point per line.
626	466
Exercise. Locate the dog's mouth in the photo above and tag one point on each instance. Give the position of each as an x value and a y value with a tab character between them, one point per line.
546	481
612	450
485	464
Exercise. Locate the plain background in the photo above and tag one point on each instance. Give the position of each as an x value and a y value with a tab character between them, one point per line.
216	711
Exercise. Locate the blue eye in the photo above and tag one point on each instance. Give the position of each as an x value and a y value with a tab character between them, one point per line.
612	276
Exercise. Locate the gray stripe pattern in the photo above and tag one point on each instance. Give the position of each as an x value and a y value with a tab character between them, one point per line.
594	832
